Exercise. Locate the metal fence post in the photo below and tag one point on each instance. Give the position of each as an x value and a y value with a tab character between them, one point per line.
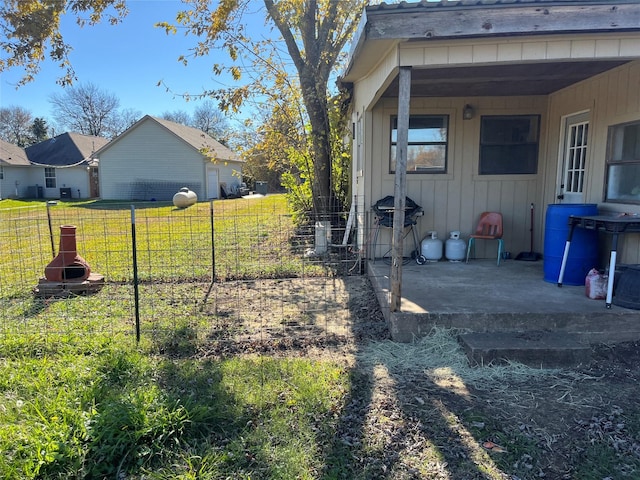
136	296
213	242
53	248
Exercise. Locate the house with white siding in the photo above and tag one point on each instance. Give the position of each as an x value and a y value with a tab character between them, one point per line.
511	103
14	170
154	158
61	167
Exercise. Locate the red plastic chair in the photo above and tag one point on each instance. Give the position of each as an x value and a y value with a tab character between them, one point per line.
489	228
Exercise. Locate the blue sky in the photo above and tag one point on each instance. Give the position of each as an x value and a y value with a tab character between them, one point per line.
127	60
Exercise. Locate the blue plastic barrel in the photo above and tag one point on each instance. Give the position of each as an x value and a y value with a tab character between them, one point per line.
583	254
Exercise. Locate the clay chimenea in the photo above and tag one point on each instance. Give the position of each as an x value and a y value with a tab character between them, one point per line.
68	272
67	266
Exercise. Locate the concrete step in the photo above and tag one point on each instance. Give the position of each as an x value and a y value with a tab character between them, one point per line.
534	348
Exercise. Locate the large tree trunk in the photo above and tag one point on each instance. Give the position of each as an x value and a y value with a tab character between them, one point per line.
323	34
316	105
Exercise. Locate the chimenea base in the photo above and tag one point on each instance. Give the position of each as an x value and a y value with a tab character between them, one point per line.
47	288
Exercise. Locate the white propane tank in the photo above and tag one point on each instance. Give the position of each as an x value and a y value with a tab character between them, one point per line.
432	247
455	247
184	198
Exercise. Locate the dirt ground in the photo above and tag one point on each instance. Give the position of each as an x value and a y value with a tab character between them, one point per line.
419	411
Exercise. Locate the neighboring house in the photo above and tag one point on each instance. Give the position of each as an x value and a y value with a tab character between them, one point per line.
65	166
14	170
511	103
60	167
154	158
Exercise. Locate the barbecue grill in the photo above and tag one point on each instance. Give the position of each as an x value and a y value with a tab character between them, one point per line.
383	211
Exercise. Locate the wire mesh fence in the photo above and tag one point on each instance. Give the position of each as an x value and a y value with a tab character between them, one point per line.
201	277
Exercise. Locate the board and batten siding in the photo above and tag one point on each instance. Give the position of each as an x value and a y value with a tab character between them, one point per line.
517	50
454	200
149	153
611	98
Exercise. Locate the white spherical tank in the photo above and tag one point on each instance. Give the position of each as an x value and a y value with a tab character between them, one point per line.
184	198
431	247
455	247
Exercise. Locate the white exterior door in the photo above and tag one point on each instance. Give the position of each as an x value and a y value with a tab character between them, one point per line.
574	161
213	187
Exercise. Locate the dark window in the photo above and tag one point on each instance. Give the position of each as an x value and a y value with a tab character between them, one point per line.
50	177
509	144
623	164
427	148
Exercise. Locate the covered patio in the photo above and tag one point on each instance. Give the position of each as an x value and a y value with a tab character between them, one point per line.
481	106
481	297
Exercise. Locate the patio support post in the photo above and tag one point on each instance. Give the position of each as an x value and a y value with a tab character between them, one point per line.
400	187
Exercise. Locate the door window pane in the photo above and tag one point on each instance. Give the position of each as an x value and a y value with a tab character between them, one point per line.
576	156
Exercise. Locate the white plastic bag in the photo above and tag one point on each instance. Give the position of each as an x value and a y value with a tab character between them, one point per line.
596	285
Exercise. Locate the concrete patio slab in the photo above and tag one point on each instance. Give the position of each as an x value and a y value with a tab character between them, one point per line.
481	297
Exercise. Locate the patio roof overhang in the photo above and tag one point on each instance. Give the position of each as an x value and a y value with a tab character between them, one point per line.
407	26
500	79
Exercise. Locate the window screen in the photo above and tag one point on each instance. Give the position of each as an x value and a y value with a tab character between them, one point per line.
509	145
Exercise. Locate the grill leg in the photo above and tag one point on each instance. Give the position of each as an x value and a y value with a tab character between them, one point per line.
375	242
416	242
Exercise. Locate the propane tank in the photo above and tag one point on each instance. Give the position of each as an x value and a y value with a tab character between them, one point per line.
184	198
455	247
432	247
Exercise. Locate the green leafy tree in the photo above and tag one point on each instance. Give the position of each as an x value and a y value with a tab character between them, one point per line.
279	151
39	130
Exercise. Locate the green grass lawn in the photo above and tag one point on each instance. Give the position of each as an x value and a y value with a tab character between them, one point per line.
120	413
179	253
80	399
252	238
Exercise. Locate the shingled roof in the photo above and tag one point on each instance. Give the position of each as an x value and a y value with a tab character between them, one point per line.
197	139
13	155
65	150
190	135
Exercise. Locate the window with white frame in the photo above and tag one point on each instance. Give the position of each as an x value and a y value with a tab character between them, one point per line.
623	164
427	146
1	172
50	177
